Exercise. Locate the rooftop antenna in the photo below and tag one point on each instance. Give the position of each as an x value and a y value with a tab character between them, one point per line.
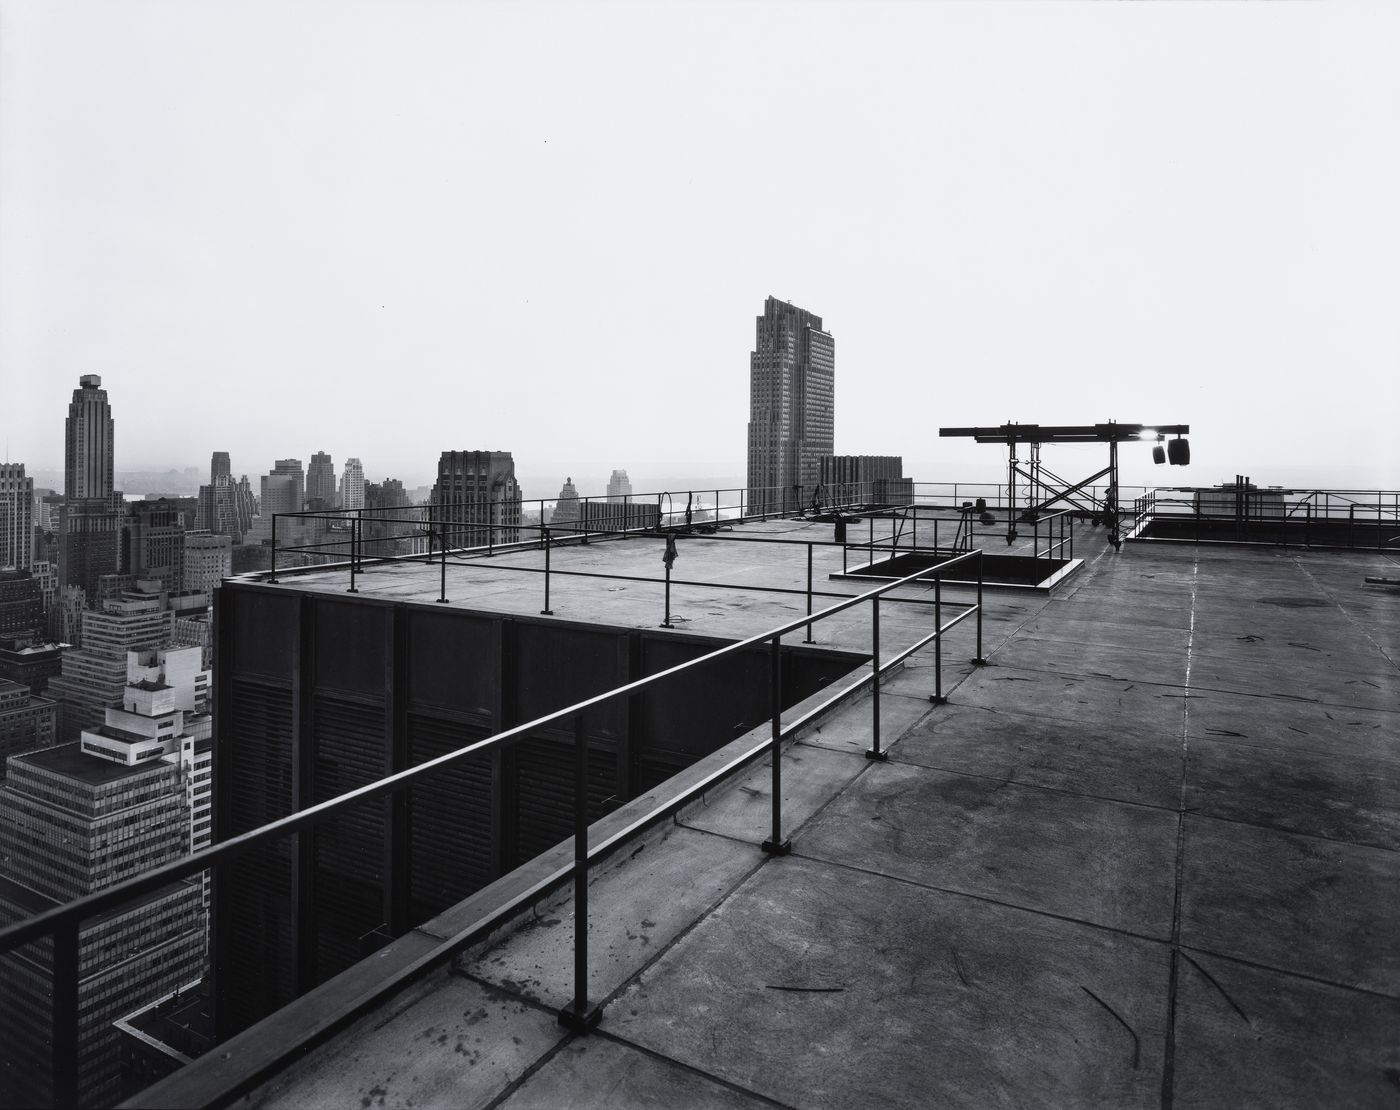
1048	488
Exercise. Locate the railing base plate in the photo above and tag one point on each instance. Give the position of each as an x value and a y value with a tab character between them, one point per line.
442	601
978	661
586	1022
777	848
938	699
882	757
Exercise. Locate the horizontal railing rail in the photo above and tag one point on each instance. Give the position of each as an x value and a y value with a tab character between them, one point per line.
63	923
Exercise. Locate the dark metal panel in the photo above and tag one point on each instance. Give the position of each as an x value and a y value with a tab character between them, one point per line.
266	623
350	649
451	659
558	665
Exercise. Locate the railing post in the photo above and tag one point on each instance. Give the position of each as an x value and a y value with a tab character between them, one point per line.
875	752
354	546
578	1016
938	698
273	576
64	1058
546	611
442	544
775	845
809	639
978	659
667	622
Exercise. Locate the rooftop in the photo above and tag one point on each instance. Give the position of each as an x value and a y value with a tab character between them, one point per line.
70	761
1149	855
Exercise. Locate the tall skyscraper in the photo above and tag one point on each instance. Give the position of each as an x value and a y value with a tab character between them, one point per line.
619	486
475	489
90	520
16	517
352	485
88	442
792	405
219	467
320	482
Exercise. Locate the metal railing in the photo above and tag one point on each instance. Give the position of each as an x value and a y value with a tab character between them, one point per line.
321	536
1287	518
1061	547
63	923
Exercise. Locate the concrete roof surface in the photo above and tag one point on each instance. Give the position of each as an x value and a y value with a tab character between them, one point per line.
1148	856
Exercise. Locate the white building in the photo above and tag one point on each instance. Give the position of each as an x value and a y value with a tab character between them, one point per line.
352	485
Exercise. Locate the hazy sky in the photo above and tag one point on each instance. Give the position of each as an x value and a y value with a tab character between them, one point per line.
385	229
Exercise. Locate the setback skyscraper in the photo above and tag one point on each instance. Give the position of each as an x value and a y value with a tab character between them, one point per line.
320	482
792	406
90	519
619	486
477	489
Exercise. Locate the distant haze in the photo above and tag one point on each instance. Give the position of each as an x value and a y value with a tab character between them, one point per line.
386	228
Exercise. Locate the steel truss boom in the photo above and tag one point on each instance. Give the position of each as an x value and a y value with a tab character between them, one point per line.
1046	487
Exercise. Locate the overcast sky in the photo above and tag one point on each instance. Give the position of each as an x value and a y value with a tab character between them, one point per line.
387	229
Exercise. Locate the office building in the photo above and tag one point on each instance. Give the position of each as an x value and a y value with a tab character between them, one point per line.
153	543
227	508
477	496
45	573
16	517
320	482
65	621
792	405
352	485
608	516
46	505
70	824
619	486
219	467
27	721
281	490
865	480
30	660
21	603
389	526
94	674
208	560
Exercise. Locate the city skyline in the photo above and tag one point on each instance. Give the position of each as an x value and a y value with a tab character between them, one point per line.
1063	214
